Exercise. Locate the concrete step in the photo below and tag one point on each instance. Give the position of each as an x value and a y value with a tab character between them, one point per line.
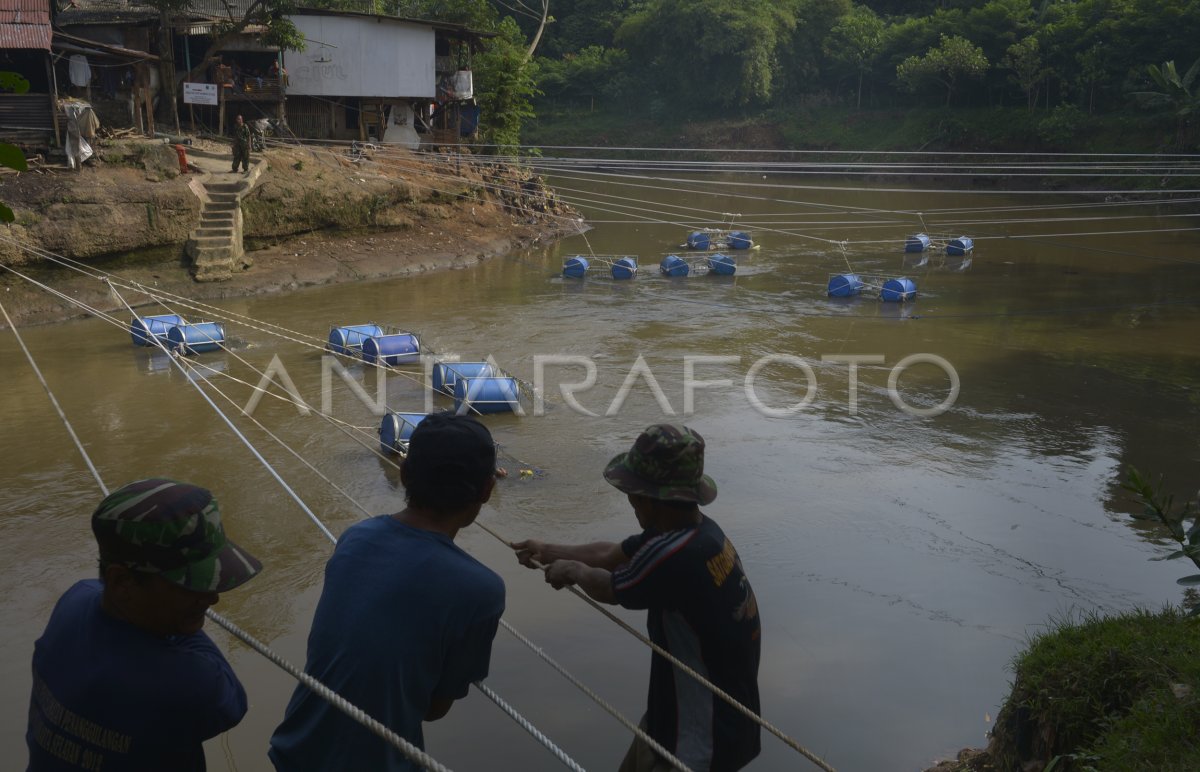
209	253
215	230
225	187
209	241
217	218
222	272
220	198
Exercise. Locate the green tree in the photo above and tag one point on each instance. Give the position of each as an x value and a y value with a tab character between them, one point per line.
1176	93
854	43
580	24
1158	506
1179	94
709	52
955	58
580	77
1024	58
506	84
476	14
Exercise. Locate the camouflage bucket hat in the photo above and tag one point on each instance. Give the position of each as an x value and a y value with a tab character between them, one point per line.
666	462
174	530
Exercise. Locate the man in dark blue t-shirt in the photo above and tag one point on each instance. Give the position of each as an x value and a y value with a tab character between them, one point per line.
124	680
406	618
688	576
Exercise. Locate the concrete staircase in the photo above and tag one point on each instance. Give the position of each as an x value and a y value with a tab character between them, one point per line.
215	246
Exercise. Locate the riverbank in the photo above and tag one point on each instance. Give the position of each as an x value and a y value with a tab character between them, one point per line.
903	132
314	217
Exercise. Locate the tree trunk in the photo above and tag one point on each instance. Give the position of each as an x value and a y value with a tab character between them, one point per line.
166	47
537	37
858	106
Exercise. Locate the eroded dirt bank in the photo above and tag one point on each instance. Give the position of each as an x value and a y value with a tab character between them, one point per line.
315	217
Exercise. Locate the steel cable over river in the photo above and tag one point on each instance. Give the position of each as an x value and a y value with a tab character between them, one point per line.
899	561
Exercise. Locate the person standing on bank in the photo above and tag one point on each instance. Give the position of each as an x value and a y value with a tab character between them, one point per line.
406	618
124	679
702	610
241	145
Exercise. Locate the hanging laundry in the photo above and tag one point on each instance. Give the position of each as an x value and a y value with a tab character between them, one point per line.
81	71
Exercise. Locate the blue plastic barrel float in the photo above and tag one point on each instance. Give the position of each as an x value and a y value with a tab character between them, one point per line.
487	395
674	265
401	348
722	265
918	242
960	246
624	268
349	339
446	374
740	240
196	338
575	267
145	329
396	429
898	290
697	240
844	285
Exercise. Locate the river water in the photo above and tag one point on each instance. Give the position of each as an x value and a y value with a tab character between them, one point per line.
899	560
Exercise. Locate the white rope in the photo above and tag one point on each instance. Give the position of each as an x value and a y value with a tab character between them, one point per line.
249	445
528	727
192	366
410	751
793	744
728	698
517	634
53	401
612	711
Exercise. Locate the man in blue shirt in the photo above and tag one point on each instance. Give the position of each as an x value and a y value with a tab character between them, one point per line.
406	618
124	680
684	571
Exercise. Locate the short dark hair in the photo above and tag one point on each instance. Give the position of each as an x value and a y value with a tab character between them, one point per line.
450	460
682	506
141	577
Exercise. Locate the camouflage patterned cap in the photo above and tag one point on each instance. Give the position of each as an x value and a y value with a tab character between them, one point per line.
666	462
172	529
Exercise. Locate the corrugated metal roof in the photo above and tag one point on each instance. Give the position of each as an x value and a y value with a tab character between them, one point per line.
25	24
25	36
29	6
219	9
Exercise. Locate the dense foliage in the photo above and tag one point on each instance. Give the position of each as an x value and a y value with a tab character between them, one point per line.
688	60
699	56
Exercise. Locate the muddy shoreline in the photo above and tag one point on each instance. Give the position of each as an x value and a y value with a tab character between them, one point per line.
320	258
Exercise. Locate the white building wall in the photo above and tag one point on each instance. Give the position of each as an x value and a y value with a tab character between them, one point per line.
361	57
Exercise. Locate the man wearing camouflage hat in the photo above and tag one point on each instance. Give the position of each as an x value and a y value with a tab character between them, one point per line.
123	676
701	609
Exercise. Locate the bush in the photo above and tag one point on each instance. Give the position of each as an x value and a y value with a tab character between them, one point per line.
1062	125
1108	693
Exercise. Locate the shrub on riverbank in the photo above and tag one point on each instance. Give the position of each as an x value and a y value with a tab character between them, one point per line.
1105	693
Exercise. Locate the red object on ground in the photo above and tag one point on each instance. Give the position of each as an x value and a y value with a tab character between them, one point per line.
182	153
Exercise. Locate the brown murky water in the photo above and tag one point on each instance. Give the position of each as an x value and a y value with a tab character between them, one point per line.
899	561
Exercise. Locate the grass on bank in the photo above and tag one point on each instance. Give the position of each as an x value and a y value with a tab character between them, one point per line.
1106	693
